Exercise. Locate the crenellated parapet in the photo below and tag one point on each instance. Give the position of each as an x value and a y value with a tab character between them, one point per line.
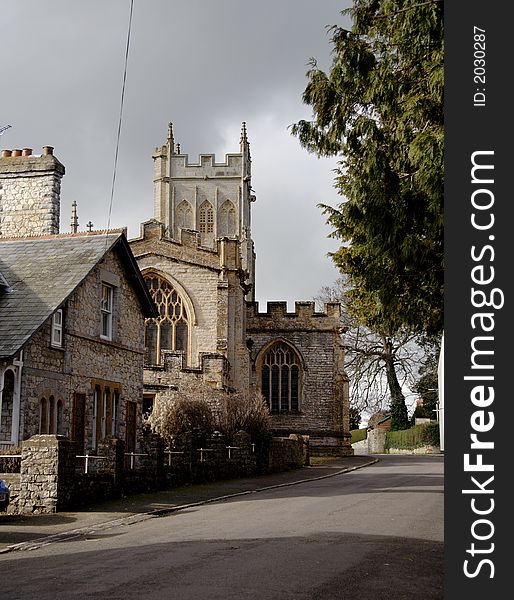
305	317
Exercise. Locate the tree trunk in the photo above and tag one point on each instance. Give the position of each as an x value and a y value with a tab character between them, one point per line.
399	415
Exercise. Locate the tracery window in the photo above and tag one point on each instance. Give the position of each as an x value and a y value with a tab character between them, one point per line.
227	219
170	330
184	214
280	378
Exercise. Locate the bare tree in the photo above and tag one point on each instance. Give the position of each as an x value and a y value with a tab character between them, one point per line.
380	367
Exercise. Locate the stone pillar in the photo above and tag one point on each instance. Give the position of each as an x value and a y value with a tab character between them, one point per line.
376	441
114	451
47	474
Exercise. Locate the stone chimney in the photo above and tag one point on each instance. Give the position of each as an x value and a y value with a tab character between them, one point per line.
30	188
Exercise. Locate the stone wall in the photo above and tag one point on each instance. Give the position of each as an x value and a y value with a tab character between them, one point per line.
53	478
47	467
375	443
29	192
289	453
315	337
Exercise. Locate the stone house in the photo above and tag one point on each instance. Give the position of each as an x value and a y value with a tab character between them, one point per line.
72	310
197	257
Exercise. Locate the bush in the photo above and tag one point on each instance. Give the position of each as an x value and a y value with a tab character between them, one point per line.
243	412
415	437
184	411
198	410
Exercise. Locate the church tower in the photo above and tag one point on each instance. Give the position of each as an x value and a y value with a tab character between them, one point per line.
211	198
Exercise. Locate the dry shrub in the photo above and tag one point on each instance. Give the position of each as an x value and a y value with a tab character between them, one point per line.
239	411
197	409
187	410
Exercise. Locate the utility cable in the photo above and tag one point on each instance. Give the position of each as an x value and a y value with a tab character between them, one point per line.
121	116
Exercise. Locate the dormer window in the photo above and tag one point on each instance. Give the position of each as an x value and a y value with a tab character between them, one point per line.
106	311
56	339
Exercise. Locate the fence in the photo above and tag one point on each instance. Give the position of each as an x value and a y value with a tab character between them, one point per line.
54	476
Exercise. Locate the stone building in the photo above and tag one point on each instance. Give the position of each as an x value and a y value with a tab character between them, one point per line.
197	257
72	310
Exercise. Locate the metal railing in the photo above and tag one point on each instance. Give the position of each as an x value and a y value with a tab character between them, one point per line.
133	458
5	467
89	457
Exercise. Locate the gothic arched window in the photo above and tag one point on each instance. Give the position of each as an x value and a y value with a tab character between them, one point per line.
184	214
280	378
206	222
170	330
227	219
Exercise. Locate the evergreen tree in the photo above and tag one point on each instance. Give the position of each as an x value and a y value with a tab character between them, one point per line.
380	110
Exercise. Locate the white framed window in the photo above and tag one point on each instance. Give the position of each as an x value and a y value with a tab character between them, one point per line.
56	339
106	305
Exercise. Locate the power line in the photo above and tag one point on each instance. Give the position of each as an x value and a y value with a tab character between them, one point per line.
121	114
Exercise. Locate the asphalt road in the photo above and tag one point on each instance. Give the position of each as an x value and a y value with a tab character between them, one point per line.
375	533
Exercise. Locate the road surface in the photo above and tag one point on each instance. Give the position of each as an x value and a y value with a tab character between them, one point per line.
374	533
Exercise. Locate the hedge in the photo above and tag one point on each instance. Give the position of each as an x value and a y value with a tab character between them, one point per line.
426	434
358	435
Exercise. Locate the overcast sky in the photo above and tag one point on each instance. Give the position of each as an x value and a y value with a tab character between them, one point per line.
205	66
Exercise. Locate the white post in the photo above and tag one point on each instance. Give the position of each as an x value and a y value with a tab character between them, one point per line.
16	408
440	378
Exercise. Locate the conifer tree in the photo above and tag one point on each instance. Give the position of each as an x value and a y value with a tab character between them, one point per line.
380	111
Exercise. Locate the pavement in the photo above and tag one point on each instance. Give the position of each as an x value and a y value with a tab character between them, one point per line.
28	532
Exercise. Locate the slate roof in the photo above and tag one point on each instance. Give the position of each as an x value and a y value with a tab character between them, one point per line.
43	271
4	284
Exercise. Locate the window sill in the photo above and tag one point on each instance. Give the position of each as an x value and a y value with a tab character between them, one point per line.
55	347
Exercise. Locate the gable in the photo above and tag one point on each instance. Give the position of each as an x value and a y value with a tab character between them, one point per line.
43	272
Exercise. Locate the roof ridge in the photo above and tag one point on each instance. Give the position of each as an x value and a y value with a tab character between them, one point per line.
53	236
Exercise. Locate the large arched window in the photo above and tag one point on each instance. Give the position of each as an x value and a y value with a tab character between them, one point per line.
227	219
170	330
280	378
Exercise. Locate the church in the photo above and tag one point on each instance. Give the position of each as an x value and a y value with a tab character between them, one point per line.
196	258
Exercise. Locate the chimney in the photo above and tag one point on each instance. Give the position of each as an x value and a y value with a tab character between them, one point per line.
30	198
